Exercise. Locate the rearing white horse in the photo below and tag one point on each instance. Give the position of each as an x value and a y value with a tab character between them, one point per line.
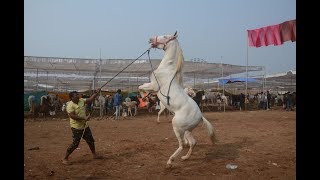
166	80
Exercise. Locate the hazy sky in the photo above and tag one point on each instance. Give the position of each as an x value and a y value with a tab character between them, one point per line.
207	29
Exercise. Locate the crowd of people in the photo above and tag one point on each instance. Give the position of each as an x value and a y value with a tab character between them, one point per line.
115	105
267	100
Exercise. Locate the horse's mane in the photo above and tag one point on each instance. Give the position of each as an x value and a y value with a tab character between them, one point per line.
180	60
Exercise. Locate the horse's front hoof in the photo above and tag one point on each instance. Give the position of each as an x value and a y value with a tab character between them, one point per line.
169	166
184	158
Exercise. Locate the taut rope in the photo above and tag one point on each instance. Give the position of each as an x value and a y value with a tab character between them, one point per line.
125	67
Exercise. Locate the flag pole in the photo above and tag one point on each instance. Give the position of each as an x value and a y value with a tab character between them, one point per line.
224	103
246	92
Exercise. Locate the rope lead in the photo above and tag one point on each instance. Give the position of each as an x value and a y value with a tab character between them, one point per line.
148	50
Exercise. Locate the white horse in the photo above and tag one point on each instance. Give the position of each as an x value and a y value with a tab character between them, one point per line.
211	96
44	97
187	114
102	102
130	104
224	99
31	101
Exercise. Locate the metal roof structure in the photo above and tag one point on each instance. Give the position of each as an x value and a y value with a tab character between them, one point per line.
66	74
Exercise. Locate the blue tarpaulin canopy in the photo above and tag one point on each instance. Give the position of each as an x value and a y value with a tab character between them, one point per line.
233	80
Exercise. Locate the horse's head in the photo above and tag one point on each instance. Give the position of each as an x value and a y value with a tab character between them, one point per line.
160	42
173	59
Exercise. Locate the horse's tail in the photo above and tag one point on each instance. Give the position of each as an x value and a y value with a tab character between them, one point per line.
210	130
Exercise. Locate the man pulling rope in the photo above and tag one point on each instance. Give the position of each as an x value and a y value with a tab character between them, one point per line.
78	122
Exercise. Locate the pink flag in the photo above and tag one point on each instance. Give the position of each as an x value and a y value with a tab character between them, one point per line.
288	31
265	36
276	34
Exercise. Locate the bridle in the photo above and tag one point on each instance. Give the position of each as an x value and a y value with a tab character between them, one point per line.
156	43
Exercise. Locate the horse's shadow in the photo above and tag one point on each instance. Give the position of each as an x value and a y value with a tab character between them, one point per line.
228	151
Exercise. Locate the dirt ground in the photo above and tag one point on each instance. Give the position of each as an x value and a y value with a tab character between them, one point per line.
261	143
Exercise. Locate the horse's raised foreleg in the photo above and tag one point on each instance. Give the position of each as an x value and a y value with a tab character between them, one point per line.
191	141
179	134
147	87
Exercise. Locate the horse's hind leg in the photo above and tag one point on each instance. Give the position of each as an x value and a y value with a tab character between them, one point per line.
179	134
191	141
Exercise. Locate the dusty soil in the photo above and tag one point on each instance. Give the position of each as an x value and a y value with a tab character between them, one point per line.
261	143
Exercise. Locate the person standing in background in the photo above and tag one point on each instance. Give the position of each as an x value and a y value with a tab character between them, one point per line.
117	100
